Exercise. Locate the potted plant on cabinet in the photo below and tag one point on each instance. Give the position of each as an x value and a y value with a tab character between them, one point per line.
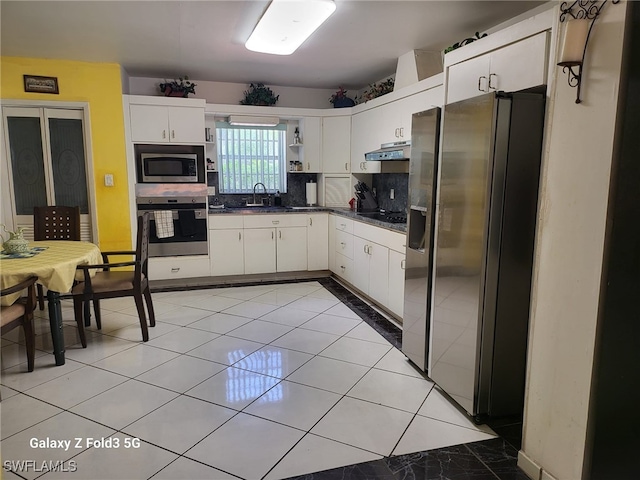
258	94
181	87
340	99
377	90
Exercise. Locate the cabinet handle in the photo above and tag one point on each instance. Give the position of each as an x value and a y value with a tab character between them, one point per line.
403	264
272	236
275	222
280	234
308	166
365	249
343	244
401	132
310	222
239	236
343	225
164	134
343	267
346	167
479	81
491	86
175	269
173	134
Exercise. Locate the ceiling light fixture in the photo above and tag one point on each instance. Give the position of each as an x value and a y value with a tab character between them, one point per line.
286	24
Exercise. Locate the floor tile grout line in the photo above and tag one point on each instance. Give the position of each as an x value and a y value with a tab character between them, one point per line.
466	445
411	421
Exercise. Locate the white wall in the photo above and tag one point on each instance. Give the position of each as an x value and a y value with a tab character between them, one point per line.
569	250
232	93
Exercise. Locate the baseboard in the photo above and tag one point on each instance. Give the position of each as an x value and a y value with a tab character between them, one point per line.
547	476
529	467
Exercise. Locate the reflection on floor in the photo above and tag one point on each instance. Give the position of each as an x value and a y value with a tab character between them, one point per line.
265	381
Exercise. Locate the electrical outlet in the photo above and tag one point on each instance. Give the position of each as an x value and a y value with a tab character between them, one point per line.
211	190
108	180
392	194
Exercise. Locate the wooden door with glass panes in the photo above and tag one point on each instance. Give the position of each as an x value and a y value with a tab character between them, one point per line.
46	163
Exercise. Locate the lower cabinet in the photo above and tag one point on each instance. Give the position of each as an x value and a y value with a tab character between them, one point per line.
291	249
370	258
166	268
259	250
255	244
318	242
396	282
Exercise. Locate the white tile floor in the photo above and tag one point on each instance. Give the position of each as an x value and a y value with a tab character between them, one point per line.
250	382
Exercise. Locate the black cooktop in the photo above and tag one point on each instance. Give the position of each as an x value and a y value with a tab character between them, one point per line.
389	217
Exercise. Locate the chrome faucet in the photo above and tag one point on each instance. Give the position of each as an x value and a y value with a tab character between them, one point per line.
254	192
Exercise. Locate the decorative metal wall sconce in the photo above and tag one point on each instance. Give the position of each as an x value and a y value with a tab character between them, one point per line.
580	16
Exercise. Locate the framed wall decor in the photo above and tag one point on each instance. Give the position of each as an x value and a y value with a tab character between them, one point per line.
38	84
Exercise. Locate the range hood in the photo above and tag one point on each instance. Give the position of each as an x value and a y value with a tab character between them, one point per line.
391	151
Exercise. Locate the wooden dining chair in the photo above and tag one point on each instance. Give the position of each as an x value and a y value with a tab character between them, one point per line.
110	283
20	313
55	223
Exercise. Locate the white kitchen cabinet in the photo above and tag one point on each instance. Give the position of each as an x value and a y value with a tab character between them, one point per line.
331	231
336	144
226	251
387	123
396	282
344	268
166	124
309	153
514	67
318	242
259	250
291	249
164	268
371	269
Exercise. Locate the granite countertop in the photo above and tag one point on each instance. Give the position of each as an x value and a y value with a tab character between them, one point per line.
345	212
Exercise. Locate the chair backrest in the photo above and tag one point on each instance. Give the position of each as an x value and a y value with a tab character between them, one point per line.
56	223
19	287
142	247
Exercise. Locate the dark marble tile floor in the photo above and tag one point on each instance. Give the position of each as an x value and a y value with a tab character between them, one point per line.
493	459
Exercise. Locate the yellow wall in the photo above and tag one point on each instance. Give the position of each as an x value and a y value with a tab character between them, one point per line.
99	85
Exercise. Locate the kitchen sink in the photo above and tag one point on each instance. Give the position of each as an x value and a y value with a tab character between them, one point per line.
303	208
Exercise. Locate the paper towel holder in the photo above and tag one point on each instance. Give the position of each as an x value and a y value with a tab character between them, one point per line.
312	193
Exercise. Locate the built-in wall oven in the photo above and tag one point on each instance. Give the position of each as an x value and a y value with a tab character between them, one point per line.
178	225
169	163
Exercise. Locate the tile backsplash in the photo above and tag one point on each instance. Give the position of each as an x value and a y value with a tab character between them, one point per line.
384	183
296	195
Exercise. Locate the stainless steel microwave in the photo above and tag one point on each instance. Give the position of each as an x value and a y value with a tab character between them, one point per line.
170	164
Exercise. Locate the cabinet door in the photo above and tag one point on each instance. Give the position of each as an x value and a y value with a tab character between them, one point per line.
520	65
259	250
331	229
291	249
311	144
361	259
378	273
396	282
149	123
318	242
365	138
226	252
468	79
186	125
336	144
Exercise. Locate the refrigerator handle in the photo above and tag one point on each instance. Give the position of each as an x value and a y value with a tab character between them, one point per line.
479	82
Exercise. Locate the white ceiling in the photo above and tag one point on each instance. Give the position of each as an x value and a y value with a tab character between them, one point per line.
358	45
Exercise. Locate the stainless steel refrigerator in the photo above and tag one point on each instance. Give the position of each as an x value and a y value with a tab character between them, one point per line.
488	191
423	169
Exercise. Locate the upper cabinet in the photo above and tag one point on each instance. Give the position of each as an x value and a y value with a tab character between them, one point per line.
310	148
156	123
336	144
390	122
514	67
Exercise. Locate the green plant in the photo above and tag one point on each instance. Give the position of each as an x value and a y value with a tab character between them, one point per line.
377	90
464	42
258	94
181	87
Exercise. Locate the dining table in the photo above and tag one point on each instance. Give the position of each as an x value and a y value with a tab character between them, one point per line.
54	262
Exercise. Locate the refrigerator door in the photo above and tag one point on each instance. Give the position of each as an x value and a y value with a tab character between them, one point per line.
464	204
425	138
